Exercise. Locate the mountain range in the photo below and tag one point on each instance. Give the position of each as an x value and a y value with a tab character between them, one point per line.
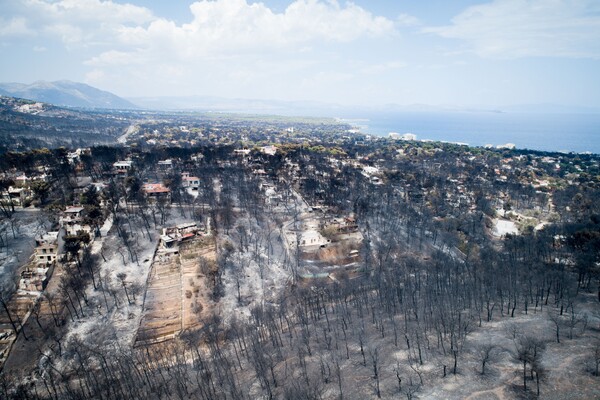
80	95
323	109
66	93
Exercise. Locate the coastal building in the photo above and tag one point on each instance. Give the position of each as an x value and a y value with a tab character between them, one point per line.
156	191
509	146
165	164
46	248
34	279
172	236
191	182
269	150
121	167
405	136
72	221
74	157
16	196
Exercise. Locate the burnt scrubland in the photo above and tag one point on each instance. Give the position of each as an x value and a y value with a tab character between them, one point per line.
238	258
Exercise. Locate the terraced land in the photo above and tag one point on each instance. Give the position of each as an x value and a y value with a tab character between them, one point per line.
175	297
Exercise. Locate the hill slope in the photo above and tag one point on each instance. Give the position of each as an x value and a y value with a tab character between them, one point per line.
66	93
25	124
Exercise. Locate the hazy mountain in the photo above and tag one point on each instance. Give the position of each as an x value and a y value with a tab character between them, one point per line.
549	108
282	107
221	104
66	93
278	107
322	109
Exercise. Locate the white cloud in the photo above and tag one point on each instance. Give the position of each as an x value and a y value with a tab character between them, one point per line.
234	46
115	58
236	27
525	28
84	12
408	20
79	22
384	67
15	27
227	47
218	26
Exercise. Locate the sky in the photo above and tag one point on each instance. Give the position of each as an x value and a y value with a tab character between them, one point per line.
366	52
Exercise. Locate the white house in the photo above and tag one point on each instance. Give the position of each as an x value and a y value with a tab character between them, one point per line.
165	164
72	221
270	150
122	167
191	182
46	248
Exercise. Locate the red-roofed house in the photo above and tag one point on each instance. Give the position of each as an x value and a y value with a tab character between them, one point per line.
156	191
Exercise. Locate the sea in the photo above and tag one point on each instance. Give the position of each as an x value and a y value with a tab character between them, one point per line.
561	132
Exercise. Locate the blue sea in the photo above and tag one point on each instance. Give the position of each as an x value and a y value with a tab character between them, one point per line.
548	132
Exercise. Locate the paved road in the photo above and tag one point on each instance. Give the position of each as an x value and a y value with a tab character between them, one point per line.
131	129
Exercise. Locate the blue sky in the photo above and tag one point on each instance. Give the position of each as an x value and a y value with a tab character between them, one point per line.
459	53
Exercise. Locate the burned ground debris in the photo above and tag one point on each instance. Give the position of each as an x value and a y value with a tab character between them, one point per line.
238	258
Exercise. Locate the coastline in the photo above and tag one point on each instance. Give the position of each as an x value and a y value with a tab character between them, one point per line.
578	133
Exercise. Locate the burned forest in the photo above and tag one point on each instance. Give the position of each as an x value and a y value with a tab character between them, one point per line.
229	257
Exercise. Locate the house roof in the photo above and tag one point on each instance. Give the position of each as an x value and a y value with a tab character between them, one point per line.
187	225
167	238
155	188
74	210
